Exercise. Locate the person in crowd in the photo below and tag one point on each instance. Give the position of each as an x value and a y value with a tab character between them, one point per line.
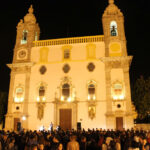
60	147
11	145
117	143
83	143
73	144
4	141
41	147
55	143
79	139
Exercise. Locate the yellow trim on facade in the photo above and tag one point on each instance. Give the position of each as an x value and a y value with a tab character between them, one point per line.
115	54
69	61
44	54
91	51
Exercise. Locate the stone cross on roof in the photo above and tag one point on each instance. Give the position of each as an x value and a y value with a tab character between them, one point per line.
31	10
111	1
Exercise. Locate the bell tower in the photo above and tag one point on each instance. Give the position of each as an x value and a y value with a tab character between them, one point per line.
114	34
119	112
27	32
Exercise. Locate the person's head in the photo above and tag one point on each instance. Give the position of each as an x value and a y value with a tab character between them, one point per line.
136	139
60	147
34	147
83	139
73	137
144	141
12	140
55	139
41	147
5	136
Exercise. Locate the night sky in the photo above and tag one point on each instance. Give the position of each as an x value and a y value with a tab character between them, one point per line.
73	18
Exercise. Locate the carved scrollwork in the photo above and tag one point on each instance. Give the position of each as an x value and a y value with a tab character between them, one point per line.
92	112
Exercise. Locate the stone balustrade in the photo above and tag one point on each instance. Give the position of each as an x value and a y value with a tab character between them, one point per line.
74	40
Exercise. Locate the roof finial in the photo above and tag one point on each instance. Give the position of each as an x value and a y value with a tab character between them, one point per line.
31	10
111	1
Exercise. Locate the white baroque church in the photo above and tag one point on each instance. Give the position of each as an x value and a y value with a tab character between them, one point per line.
78	82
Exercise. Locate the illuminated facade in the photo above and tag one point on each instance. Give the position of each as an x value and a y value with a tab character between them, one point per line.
80	81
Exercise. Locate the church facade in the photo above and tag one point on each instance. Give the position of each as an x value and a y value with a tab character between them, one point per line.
79	82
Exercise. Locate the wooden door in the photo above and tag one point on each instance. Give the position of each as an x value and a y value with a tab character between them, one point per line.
65	119
119	123
16	121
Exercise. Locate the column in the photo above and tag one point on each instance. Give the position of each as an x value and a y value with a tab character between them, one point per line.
109	114
26	97
129	117
9	117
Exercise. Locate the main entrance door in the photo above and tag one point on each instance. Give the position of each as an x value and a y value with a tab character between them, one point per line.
16	123
65	118
119	123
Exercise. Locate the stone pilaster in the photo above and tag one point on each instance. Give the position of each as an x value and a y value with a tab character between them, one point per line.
108	90
26	97
127	89
55	115
109	113
9	117
11	90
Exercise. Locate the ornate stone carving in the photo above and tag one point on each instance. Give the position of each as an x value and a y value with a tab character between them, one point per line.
92	112
91	67
117	62
30	17
66	68
43	70
112	9
40	112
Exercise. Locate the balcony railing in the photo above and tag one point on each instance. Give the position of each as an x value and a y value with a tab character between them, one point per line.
74	40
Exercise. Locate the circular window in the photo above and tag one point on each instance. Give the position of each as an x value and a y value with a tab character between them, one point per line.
17	108
118	106
66	68
43	69
91	67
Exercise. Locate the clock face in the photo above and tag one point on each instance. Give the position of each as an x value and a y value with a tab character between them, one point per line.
22	54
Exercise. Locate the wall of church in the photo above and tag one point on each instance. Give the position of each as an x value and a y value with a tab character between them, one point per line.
79	76
98	122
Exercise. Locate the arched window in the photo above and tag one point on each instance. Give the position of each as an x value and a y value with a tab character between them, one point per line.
19	95
91	89
41	91
66	91
24	37
117	91
113	28
91	92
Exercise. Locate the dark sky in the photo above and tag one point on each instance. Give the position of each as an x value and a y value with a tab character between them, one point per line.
71	18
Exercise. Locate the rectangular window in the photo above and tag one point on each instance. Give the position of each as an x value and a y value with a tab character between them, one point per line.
67	54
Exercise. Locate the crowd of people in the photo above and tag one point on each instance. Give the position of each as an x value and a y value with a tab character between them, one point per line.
75	140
